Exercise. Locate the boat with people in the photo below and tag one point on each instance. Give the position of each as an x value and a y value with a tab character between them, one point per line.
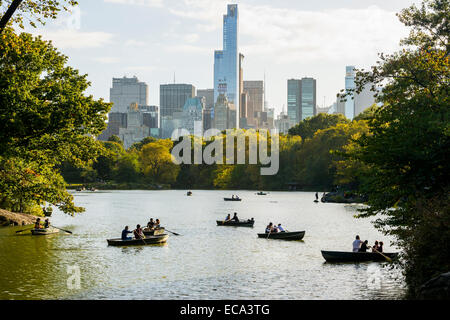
291	235
44	231
261	193
148	240
241	223
345	256
189	193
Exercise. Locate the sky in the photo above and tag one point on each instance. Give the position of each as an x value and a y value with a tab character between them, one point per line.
157	40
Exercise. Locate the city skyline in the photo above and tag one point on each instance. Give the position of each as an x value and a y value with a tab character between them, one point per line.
304	44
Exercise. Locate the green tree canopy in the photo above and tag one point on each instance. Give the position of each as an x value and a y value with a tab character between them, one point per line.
308	127
45	115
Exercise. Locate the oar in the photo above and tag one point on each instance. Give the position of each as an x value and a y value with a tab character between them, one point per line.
385	256
177	234
62	229
23	230
269	233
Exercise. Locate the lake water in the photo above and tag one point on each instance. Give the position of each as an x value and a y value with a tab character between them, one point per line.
205	261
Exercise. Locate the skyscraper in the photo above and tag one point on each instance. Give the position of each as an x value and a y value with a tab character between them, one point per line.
307	98
293	101
255	100
226	66
193	115
126	91
350	85
172	97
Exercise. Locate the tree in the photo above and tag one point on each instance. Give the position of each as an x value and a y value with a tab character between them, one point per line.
38	10
308	127
408	147
157	164
45	115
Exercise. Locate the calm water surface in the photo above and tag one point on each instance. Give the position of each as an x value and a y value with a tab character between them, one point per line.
206	261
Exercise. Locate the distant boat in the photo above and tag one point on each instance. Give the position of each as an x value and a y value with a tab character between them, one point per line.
295	235
261	193
344	256
242	223
139	242
316	201
189	193
232	199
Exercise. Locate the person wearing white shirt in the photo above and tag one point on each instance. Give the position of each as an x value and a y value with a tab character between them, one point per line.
357	244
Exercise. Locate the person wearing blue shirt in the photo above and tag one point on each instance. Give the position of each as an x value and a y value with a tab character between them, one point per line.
125	233
280	228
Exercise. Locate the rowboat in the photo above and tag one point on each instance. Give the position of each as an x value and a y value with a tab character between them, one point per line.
162	238
242	223
295	235
232	199
43	232
261	193
153	232
189	193
343	256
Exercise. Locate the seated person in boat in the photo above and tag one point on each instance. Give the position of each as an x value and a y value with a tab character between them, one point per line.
157	224
37	224
151	224
274	228
235	218
46	223
380	246
269	228
138	233
357	244
251	220
228	218
375	246
232	197
125	233
364	246
280	228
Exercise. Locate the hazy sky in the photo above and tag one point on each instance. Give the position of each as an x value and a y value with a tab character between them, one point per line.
152	39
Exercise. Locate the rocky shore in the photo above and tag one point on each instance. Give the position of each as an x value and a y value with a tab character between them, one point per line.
8	218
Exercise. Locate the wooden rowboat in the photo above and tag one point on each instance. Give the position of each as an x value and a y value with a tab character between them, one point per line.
343	256
295	235
162	238
232	199
44	232
242	223
153	232
261	193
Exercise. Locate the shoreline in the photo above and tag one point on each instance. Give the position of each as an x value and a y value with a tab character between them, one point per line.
8	218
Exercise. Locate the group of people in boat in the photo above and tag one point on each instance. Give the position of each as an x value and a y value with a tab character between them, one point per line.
363	246
138	233
235	218
273	228
37	224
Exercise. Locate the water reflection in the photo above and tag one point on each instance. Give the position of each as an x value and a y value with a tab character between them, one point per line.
206	262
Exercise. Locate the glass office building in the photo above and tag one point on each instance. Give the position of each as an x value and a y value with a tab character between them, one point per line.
349	84
307	98
226	64
293	101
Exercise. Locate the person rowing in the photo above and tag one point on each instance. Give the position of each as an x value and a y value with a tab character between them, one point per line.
375	247
363	247
46	224
228	218
380	246
138	233
235	217
157	224
274	228
125	233
269	228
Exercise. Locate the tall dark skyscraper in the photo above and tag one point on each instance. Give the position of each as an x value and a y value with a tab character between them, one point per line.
172	97
301	99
